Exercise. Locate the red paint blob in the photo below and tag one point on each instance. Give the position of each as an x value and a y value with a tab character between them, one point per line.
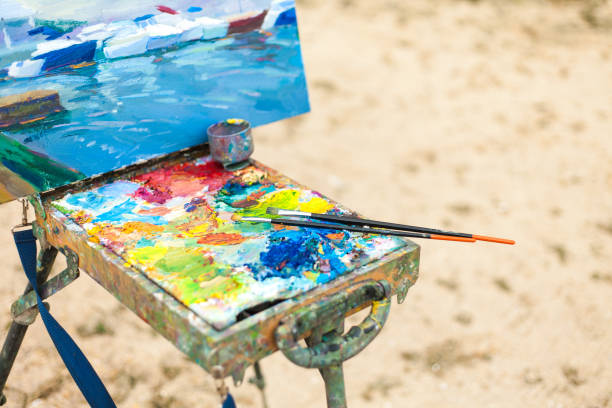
165	9
181	180
152	195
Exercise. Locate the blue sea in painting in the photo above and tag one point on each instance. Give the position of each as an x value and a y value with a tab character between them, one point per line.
122	110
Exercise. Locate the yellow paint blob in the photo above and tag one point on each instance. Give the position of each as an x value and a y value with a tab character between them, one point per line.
311	276
316	205
146	255
198	230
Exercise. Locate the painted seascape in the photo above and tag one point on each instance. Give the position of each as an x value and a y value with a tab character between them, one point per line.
87	87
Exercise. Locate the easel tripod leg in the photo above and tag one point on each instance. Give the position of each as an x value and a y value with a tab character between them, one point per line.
17	331
333	376
260	382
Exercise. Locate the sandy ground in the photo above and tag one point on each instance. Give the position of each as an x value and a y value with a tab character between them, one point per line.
489	117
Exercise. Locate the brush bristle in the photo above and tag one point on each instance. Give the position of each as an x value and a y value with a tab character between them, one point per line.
272	211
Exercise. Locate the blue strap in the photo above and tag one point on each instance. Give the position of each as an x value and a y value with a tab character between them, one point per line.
229	402
80	369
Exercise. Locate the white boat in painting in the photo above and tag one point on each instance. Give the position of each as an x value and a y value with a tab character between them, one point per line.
190	30
102	32
152	32
161	36
201	28
212	27
26	69
62	52
94	32
49	46
126	43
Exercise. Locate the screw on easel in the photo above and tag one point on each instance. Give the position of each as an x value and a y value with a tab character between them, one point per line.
260	382
217	373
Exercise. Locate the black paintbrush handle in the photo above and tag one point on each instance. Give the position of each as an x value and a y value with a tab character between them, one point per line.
310	224
388	225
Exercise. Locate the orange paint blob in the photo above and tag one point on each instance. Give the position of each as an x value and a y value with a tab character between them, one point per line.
143	227
222	238
336	236
278	227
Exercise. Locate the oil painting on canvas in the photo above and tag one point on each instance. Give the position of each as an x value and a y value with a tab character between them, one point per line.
88	87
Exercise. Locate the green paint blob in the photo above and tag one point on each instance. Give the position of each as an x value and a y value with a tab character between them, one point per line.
190	271
279	199
63	210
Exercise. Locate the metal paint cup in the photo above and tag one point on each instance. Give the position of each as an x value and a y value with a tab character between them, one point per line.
231	143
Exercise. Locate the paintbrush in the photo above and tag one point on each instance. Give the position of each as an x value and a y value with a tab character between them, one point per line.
348	220
322	225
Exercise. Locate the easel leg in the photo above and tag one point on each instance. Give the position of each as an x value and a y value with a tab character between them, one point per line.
17	331
328	347
333	376
260	382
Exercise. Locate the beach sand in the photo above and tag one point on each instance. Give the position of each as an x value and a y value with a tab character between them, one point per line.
489	117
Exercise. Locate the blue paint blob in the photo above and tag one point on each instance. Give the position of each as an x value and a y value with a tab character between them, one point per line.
193	204
123	213
89	200
290	253
50	32
232	188
119	188
107	195
233	191
142	18
143	242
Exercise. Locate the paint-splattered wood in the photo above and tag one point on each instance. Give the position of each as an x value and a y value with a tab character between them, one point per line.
154	287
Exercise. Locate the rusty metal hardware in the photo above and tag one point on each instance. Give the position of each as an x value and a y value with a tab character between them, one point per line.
334	348
25	204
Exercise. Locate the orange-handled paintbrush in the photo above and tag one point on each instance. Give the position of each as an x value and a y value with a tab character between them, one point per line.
323	225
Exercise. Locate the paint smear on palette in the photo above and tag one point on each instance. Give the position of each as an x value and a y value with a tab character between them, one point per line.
176	226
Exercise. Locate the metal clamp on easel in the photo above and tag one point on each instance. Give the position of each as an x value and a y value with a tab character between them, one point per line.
322	324
25	205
